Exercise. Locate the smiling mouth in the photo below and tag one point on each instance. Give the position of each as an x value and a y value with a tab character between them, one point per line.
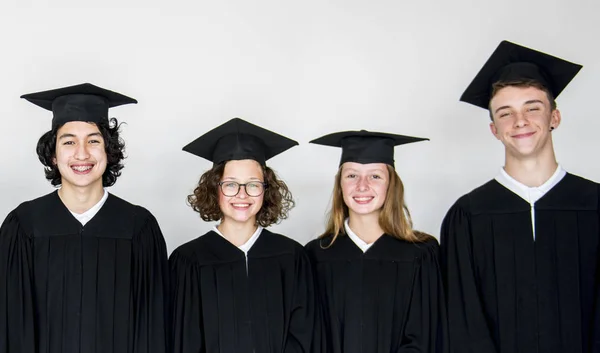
81	169
240	206
363	199
524	135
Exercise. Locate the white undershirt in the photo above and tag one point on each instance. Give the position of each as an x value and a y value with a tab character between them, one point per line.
248	244
355	238
530	194
86	216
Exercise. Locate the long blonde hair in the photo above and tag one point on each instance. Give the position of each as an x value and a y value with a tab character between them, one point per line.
392	221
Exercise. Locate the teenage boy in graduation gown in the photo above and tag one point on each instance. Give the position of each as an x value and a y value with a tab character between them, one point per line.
82	270
520	253
240	288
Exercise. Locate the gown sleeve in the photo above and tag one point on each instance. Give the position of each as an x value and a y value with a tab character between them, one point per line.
596	329
186	307
426	326
303	320
150	289
17	318
319	343
468	329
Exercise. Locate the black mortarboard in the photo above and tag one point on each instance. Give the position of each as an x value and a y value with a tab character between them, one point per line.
366	147
84	102
238	139
511	62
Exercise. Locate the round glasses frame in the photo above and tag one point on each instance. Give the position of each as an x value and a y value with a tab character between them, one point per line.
252	193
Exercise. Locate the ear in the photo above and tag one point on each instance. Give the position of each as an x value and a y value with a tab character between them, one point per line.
53	160
494	130
555	119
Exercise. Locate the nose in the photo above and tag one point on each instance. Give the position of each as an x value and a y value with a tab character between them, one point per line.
362	184
242	193
520	120
81	152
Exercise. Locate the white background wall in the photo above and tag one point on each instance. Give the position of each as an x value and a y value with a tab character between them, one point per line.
303	69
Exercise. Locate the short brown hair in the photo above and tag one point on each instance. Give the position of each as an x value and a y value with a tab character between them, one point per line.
394	217
276	205
523	84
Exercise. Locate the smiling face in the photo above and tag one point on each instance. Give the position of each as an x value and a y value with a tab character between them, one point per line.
80	155
522	121
241	208
364	187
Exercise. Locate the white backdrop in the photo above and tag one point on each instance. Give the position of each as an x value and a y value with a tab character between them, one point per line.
303	69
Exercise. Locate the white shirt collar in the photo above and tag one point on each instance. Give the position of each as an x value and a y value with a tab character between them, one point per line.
248	244
86	216
355	238
530	194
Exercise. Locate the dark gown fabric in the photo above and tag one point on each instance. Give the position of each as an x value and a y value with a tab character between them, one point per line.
388	299
67	288
509	293
221	304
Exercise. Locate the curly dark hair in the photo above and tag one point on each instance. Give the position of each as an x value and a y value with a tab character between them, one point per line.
276	205
114	147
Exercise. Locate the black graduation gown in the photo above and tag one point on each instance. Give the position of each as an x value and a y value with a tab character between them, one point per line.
388	299
68	288
221	304
509	293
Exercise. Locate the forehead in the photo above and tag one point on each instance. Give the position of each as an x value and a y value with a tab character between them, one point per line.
245	168
359	167
516	95
78	128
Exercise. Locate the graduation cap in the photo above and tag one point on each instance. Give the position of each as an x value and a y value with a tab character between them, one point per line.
365	146
511	62
84	102
238	139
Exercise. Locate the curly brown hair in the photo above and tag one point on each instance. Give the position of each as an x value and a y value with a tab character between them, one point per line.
276	205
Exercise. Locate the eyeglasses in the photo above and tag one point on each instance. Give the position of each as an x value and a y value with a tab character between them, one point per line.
232	188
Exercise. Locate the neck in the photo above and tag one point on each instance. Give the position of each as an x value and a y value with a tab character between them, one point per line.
533	171
366	227
78	199
235	232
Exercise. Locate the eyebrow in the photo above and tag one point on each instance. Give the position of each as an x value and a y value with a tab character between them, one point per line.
236	179
534	101
65	135
500	108
528	102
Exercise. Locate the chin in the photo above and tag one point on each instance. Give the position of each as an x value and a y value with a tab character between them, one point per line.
364	212
82	183
242	218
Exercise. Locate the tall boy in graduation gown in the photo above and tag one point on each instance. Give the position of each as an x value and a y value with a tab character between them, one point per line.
520	253
81	270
